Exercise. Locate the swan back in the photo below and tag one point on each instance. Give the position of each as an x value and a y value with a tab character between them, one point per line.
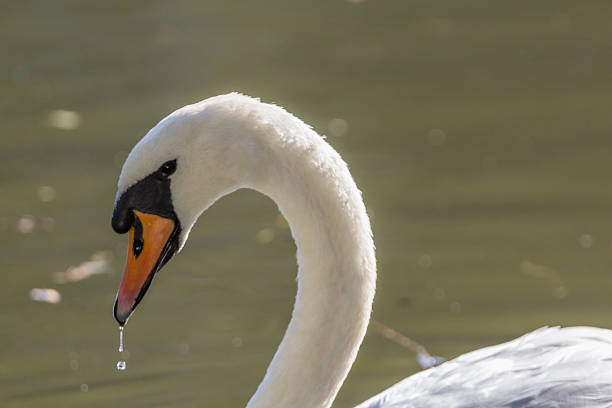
547	368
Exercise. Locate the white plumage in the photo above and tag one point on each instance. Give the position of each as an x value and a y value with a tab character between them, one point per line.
233	141
547	368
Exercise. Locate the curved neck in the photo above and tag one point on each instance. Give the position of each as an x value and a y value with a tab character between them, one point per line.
337	270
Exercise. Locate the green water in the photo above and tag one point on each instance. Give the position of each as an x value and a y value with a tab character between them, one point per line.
479	132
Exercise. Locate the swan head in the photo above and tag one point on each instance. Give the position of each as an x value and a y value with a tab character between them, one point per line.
185	163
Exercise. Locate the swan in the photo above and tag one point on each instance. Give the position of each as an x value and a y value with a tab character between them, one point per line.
204	151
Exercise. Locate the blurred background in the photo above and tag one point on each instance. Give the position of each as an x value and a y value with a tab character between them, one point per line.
480	134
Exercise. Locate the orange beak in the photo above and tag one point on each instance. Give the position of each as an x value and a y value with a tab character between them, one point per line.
150	238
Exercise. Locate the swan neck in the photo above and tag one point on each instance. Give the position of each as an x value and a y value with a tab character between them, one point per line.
336	274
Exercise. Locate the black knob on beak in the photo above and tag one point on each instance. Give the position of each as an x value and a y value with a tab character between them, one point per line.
123	217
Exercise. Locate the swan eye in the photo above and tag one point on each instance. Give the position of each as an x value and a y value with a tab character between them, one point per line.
168	168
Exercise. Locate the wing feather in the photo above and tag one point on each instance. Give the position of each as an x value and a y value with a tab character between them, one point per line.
547	368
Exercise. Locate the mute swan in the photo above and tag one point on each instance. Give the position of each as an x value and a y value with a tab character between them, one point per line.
206	150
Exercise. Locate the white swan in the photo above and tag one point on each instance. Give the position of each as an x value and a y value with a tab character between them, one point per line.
204	151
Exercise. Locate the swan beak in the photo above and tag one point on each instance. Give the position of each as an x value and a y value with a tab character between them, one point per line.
150	247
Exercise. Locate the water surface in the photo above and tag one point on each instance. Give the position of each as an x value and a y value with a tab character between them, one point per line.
480	135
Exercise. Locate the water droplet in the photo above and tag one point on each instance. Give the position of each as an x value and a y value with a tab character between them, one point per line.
121	363
121	339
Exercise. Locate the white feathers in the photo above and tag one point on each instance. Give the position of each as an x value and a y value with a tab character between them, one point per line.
550	367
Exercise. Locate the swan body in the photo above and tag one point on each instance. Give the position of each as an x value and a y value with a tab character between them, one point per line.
547	368
204	151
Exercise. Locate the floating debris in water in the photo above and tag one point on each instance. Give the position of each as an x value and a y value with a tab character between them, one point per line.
64	119
46	295
84	387
121	365
265	236
98	264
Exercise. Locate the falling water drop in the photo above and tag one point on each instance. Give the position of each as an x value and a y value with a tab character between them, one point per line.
121	339
121	363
